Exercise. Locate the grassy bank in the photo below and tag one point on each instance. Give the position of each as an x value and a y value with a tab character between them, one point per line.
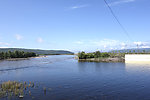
98	54
14	89
102	60
101	57
106	56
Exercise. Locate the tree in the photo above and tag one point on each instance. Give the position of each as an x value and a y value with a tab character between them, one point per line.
82	55
9	54
5	55
89	55
115	51
133	51
2	55
105	54
143	51
97	54
16	54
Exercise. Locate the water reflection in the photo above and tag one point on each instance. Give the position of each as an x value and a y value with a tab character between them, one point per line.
29	63
100	66
138	66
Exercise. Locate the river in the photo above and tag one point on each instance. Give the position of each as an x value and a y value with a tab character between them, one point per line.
67	79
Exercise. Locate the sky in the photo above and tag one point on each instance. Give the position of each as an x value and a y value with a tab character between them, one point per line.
75	25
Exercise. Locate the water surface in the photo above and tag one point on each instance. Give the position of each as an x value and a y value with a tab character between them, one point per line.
67	79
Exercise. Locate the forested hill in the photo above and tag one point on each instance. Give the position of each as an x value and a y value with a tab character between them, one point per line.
37	51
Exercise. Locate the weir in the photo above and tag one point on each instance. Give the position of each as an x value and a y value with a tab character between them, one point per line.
137	58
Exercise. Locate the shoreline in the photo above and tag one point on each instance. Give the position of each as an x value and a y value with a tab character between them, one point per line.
102	60
16	59
40	56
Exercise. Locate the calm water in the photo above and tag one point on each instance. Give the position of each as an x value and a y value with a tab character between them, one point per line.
68	79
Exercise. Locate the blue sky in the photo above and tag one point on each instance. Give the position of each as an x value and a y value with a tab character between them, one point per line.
74	25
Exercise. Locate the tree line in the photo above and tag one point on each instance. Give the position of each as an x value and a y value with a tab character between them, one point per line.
97	54
16	54
112	54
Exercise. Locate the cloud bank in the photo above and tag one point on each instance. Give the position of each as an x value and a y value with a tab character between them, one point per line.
110	44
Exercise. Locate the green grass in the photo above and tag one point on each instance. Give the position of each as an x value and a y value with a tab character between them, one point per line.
13	88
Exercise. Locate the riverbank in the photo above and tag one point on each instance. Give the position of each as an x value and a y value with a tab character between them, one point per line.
16	59
101	57
102	60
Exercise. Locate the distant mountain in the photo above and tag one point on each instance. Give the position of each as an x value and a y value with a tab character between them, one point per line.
137	50
38	51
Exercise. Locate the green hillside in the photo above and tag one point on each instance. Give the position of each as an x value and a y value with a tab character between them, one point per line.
38	51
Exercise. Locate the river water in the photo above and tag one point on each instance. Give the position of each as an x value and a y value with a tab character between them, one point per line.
67	79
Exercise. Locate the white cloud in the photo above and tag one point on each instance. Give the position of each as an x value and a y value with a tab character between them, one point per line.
105	42
18	37
120	2
123	45
145	46
115	44
78	42
110	44
141	44
79	6
39	40
4	45
104	45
